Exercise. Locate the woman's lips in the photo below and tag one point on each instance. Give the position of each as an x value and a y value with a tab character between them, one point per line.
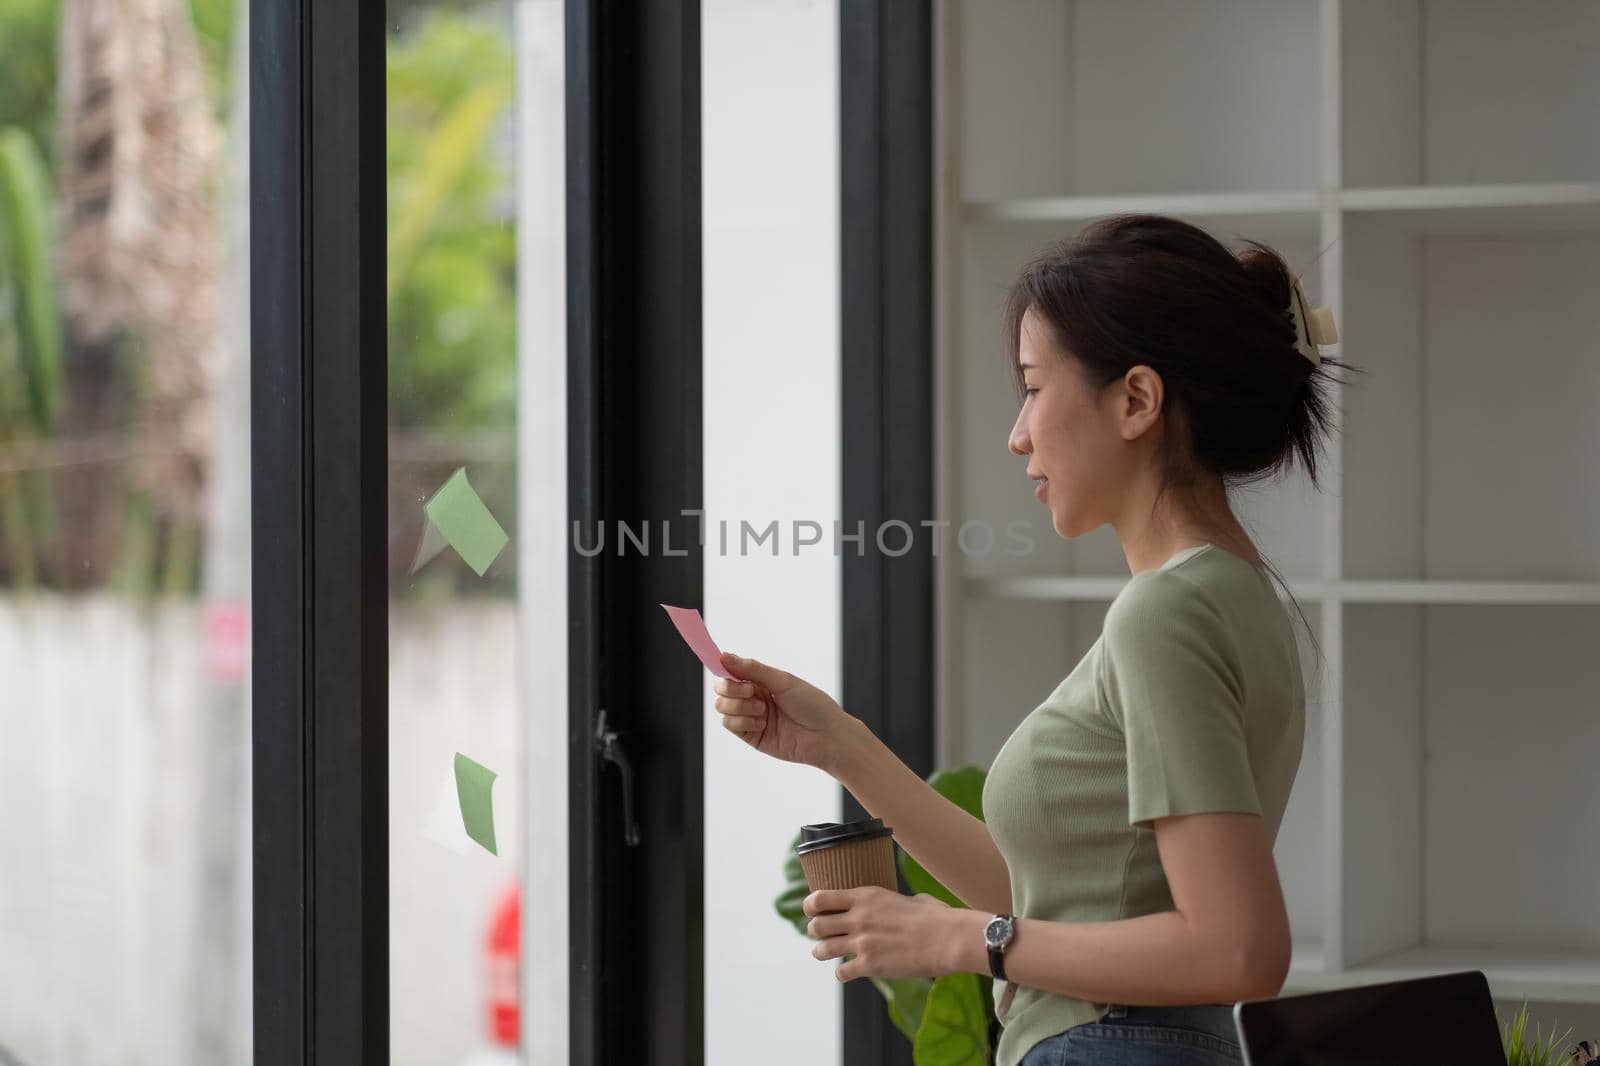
1038	490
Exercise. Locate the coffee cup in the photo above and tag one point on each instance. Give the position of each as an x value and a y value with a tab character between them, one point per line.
848	855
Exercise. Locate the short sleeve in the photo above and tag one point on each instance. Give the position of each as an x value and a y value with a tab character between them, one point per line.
1172	680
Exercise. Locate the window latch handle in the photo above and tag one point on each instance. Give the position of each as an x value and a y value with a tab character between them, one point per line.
611	751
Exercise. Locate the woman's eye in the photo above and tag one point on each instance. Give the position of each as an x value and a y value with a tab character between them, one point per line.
1028	392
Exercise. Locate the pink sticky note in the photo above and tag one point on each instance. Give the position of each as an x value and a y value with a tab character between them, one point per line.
692	628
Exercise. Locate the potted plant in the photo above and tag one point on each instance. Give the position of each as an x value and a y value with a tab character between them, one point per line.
950	1021
1544	1051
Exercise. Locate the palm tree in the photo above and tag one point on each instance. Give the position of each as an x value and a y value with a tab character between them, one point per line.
138	158
141	166
30	344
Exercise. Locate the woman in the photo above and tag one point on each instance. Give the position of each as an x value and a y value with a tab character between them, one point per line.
1131	815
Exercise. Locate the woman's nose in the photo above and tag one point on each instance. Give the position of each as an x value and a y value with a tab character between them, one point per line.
1019	442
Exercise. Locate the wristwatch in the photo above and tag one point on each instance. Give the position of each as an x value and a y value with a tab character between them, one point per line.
1000	931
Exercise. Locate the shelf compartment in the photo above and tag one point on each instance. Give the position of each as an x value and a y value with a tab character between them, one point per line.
1209	97
1464	825
1483	593
1469	443
1293	217
994	486
1456	210
1480	210
1510	593
1066	589
1468	93
1301	852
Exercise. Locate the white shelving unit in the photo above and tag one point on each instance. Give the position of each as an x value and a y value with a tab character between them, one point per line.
1433	168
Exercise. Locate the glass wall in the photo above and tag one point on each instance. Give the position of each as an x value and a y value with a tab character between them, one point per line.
124	533
476	328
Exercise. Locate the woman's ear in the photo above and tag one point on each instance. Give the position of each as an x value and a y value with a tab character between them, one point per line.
1140	402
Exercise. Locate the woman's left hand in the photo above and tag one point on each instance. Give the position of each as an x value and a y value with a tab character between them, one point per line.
890	935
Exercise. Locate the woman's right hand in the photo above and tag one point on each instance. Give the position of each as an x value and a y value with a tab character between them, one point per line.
780	715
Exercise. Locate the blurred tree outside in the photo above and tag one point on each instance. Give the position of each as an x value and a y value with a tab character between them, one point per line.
137	177
452	280
28	69
124	360
452	240
112	484
116	304
30	346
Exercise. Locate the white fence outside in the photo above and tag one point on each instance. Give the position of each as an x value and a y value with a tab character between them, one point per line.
107	953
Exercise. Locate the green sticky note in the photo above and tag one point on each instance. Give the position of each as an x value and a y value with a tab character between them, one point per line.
472	789
466	523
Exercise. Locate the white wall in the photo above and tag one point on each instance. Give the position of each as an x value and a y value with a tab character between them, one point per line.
103	766
771	215
100	774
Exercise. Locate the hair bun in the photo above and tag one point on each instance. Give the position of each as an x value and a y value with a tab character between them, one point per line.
1267	274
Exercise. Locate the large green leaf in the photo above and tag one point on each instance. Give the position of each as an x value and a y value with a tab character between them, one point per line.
795	890
964	787
26	240
907	998
955	1024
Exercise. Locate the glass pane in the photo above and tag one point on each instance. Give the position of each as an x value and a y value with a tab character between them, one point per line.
477	494
770	129
124	534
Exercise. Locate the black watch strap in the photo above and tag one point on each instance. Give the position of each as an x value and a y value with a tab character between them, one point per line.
997	965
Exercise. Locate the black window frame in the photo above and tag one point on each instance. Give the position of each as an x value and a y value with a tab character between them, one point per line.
635	427
319	467
319	472
887	383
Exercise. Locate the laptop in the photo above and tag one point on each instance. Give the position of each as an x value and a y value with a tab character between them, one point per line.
1448	1018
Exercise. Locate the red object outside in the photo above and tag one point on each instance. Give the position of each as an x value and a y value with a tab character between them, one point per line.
227	639
504	963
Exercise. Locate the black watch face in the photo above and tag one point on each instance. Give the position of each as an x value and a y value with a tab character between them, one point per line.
995	931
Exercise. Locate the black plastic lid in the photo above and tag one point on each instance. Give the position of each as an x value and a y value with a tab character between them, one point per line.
827	834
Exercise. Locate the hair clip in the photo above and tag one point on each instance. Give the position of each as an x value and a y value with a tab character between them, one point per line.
1312	325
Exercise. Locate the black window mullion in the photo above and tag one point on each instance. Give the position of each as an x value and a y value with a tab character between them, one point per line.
886	319
634	424
586	900
319	475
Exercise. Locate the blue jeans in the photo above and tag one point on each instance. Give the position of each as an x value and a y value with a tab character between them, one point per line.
1145	1036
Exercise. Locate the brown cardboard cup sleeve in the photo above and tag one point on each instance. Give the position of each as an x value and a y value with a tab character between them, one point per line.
848	855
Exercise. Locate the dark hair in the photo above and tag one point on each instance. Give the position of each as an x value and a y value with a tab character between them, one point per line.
1139	289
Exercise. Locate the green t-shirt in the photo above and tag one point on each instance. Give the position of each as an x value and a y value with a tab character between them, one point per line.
1190	700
